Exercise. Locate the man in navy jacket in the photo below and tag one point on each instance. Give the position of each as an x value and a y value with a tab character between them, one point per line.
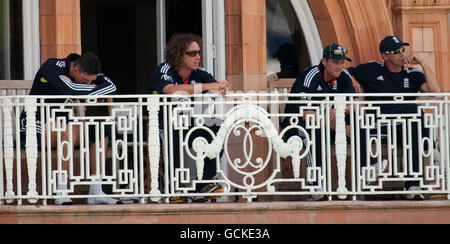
75	75
182	74
393	76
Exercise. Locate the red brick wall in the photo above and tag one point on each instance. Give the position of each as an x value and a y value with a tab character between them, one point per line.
60	28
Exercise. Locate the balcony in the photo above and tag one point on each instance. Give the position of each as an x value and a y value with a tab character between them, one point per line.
158	145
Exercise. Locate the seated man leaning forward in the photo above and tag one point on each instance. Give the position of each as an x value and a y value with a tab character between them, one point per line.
392	76
327	77
181	73
74	75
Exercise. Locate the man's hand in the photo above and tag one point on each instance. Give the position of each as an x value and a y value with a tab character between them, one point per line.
221	87
413	59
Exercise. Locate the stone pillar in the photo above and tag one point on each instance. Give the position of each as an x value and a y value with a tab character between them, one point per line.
246	53
246	44
425	24
60	26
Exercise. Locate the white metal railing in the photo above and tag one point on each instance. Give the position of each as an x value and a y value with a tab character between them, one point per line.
239	133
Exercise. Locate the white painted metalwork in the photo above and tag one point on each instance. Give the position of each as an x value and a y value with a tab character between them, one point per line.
31	149
154	145
341	145
9	148
138	160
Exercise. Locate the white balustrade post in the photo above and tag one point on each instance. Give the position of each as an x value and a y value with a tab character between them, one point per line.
296	146
199	145
296	166
153	144
200	163
341	145
8	146
31	148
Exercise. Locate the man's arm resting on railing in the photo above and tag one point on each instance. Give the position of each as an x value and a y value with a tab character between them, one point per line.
219	86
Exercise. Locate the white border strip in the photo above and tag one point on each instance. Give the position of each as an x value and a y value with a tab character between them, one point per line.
309	28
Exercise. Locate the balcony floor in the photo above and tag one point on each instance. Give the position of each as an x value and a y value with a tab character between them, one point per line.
333	212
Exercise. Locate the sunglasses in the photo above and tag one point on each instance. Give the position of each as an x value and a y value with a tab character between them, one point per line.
194	53
401	50
337	52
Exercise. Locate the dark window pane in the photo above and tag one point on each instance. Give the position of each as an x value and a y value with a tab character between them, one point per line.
286	47
11	40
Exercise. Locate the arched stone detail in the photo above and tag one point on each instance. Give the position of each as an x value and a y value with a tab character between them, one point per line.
357	25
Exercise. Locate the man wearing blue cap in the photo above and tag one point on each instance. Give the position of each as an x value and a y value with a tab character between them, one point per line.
389	76
392	76
327	77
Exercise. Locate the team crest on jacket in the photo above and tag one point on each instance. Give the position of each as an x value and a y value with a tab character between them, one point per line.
61	64
167	77
406	82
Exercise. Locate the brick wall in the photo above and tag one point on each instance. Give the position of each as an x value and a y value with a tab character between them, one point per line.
60	26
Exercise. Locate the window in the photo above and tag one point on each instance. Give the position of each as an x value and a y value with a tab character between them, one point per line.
145	26
287	51
11	40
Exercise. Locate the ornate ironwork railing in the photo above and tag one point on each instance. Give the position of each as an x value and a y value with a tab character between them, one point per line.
152	148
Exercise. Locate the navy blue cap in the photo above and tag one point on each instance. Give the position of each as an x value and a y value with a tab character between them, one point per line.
335	52
391	43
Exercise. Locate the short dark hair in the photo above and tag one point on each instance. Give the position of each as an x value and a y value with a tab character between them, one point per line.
88	63
177	46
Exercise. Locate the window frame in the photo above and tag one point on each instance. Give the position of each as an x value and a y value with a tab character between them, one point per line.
213	26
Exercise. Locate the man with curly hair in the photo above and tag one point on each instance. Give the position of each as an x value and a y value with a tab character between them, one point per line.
182	74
